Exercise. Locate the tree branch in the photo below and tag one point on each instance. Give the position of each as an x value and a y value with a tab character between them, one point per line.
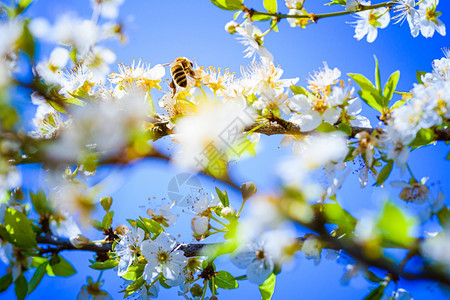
316	17
65	244
358	253
287	127
192	250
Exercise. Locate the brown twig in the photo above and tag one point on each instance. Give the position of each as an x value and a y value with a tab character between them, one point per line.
330	242
287	127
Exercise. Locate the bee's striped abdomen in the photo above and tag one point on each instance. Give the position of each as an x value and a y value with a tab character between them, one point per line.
179	75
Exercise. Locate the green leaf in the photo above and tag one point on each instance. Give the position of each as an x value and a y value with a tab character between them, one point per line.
444	216
217	250
345	128
37	261
261	18
223	197
268	287
377	75
134	286
37	277
24	4
363	82
21	287
425	136
107	219
240	147
390	87
350	155
368	92
335	214
325	127
96	224
270	6
162	282
397	104
217	167
369	275
61	268
151	226
299	90
5	282
26	42
57	106
419	76
385	172
19	228
40	203
74	101
340	2
5	235
104	265
134	272
228	4
225	280
273	24
395	226
376	293
371	99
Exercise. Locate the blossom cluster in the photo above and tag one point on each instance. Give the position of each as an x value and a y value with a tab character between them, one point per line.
428	107
158	255
422	17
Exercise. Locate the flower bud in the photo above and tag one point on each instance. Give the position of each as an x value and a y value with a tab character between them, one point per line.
79	240
352	5
248	189
312	247
106	203
228	212
200	225
196	290
150	212
230	27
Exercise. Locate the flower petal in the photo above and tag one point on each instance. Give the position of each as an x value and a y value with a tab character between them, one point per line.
259	270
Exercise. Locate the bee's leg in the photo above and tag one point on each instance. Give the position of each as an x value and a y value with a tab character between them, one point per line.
192	74
173	87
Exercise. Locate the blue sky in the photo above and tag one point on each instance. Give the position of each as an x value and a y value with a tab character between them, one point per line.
159	31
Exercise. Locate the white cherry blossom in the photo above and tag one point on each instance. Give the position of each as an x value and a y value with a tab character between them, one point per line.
429	18
258	262
406	10
127	249
162	258
251	37
369	21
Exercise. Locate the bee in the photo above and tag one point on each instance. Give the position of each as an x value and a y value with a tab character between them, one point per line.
180	69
